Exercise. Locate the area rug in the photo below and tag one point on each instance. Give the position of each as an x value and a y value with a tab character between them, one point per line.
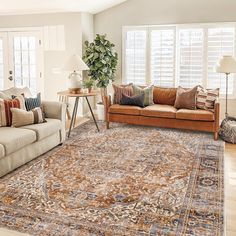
129	180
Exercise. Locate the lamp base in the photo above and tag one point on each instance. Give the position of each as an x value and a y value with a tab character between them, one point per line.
75	90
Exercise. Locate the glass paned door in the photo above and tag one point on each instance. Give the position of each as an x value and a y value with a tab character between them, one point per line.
25	62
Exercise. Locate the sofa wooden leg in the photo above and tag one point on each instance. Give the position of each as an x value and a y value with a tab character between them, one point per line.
216	135
107	124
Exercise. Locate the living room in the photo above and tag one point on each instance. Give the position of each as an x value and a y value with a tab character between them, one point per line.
117	117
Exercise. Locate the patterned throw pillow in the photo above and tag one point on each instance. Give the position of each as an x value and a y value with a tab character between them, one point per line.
21	117
206	98
5	109
121	89
148	94
31	103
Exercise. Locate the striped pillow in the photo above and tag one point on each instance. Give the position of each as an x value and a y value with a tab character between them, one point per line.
31	103
121	89
148	94
206	98
21	117
5	109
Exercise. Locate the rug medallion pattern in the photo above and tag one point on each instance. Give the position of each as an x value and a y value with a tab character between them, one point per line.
128	180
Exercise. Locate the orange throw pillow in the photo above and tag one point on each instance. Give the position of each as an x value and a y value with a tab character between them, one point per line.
5	109
164	96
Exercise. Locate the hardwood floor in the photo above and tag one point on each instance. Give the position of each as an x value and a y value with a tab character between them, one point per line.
230	190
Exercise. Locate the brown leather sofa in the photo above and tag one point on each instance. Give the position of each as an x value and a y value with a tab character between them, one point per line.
164	114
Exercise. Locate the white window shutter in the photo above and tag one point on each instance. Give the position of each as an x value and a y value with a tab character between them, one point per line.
163	57
191	46
220	42
135	56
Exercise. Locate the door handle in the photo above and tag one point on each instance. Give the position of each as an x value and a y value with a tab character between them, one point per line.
10	77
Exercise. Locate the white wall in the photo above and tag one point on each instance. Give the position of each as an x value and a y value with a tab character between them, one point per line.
153	12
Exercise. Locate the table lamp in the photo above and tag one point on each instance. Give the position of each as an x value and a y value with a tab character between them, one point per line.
75	64
226	65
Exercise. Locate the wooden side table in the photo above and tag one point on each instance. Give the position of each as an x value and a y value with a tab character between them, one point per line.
75	109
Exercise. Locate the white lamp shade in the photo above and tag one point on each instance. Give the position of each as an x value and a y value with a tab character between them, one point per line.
75	63
226	64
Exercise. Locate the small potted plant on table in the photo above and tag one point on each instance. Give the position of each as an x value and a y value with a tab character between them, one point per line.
101	59
88	83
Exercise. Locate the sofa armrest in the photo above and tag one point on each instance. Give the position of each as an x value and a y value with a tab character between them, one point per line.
56	110
217	115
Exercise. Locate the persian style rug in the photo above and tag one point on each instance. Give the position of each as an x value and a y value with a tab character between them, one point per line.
129	180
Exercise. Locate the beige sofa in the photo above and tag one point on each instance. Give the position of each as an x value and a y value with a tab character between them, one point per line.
20	145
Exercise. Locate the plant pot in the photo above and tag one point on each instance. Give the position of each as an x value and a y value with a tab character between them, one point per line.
89	90
101	111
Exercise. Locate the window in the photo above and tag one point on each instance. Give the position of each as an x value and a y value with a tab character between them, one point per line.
190	57
163	57
135	56
176	55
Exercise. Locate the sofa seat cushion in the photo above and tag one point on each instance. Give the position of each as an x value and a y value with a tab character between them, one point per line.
158	110
46	129
2	151
14	139
125	109
200	115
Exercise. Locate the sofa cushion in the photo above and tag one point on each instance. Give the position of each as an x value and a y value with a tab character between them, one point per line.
158	110
124	109
200	115
44	130
14	139
2	151
164	96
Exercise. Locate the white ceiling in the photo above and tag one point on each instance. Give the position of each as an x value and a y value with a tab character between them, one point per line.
11	7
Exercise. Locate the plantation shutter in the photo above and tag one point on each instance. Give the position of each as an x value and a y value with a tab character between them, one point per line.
191	46
163	57
135	56
220	42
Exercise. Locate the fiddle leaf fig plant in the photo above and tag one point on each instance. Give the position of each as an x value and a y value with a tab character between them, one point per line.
102	60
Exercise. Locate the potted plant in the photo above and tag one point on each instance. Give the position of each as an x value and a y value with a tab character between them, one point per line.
101	59
88	83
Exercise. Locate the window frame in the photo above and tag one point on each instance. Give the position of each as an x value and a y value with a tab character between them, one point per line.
177	28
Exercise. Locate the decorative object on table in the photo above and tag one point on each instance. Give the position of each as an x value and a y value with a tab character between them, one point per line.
75	64
226	65
68	94
153	181
102	61
88	83
228	130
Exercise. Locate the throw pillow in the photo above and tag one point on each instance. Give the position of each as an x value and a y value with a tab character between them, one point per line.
121	89
148	94
21	117
31	103
186	98
164	96
5	109
206	98
133	101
